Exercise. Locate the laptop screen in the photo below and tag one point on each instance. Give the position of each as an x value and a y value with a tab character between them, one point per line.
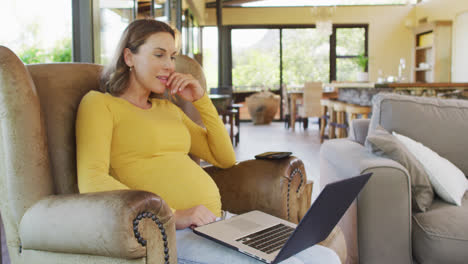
323	215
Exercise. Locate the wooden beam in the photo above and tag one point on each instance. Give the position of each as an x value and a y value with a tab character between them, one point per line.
229	3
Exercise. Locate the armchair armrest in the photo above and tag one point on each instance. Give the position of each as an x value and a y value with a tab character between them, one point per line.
379	222
123	224
277	187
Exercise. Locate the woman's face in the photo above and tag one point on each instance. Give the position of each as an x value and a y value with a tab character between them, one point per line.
153	62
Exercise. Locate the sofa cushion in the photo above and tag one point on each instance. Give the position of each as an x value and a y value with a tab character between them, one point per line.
440	235
439	124
448	181
387	145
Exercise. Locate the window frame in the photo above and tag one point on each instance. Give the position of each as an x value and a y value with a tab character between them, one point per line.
334	57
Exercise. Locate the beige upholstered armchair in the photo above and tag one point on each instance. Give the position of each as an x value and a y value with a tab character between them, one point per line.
47	221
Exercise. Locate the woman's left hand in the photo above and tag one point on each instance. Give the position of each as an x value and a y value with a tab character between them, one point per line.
185	85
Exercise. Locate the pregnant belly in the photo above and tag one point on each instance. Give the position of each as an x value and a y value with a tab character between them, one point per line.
176	178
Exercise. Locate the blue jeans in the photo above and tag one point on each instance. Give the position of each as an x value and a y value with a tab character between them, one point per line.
194	249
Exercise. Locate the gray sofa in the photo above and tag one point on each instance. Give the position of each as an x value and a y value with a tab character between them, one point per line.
380	226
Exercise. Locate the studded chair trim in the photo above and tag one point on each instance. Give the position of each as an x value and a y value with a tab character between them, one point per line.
293	173
142	241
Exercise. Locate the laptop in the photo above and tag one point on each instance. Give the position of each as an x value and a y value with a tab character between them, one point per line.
271	239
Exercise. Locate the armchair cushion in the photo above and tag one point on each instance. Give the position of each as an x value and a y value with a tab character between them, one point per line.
440	235
387	145
105	221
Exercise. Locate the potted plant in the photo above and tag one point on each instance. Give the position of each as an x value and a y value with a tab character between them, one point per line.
362	61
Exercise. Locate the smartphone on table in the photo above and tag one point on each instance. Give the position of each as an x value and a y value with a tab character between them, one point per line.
273	155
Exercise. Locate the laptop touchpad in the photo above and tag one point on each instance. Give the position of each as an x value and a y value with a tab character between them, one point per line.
242	224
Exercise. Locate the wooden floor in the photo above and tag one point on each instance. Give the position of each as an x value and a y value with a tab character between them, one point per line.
304	144
255	139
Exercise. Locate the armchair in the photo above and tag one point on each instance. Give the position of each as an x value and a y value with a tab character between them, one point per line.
47	221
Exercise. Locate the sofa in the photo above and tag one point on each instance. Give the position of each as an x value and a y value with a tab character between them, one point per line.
381	226
46	220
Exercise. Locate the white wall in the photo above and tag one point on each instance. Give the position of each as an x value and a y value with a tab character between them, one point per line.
460	48
455	11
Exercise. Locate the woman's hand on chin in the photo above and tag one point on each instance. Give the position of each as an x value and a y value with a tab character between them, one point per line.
185	85
195	216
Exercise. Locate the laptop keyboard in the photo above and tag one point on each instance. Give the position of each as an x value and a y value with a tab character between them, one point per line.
268	240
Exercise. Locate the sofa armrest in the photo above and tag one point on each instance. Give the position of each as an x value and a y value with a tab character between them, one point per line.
277	187
358	130
114	224
379	221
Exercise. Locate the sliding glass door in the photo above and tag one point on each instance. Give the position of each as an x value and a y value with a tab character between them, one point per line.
272	57
255	59
306	57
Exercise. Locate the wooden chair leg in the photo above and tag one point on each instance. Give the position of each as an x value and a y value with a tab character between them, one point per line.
339	117
331	127
323	122
345	129
231	123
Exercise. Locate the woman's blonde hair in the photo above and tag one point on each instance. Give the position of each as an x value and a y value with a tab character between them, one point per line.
115	76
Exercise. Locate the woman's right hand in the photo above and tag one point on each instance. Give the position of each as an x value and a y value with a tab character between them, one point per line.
195	216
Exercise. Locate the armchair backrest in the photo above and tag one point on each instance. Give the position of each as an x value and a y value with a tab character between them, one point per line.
440	124
38	105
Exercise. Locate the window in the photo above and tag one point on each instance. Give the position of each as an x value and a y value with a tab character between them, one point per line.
306	56
210	56
255	59
114	17
37	32
351	42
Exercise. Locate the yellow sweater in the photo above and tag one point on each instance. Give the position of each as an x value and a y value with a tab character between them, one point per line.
121	146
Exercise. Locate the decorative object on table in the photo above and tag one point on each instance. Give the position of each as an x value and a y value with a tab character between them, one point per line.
363	75
380	78
263	107
391	79
401	68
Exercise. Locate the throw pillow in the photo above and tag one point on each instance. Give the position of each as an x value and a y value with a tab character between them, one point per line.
384	144
449	182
